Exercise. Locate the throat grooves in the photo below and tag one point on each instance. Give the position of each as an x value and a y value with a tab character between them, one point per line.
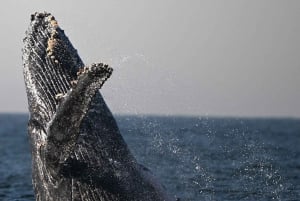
50	74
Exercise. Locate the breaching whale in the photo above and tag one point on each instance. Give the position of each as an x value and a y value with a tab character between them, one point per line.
78	152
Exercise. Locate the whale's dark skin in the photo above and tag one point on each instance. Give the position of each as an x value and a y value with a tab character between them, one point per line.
77	150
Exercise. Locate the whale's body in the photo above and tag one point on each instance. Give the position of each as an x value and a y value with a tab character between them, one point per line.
77	150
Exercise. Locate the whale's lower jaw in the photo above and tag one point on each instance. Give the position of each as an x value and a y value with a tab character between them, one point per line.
77	150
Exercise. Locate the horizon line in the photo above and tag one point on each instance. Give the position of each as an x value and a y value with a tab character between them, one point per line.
200	116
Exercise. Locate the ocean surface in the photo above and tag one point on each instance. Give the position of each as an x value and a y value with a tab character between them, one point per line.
196	158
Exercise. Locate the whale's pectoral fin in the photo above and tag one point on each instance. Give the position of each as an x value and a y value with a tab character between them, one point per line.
63	130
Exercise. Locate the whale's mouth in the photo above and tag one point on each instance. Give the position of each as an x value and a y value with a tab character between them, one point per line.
50	62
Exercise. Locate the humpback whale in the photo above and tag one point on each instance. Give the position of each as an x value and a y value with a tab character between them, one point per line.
77	150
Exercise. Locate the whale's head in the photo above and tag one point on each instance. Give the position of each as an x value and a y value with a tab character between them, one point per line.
51	65
61	92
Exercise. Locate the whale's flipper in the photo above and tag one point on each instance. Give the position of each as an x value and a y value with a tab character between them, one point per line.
78	152
63	129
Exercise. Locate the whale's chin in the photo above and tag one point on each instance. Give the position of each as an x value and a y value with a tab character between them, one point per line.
50	64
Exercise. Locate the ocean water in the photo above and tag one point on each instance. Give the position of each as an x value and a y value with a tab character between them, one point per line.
196	158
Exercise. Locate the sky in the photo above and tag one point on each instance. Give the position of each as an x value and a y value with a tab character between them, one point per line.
203	58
